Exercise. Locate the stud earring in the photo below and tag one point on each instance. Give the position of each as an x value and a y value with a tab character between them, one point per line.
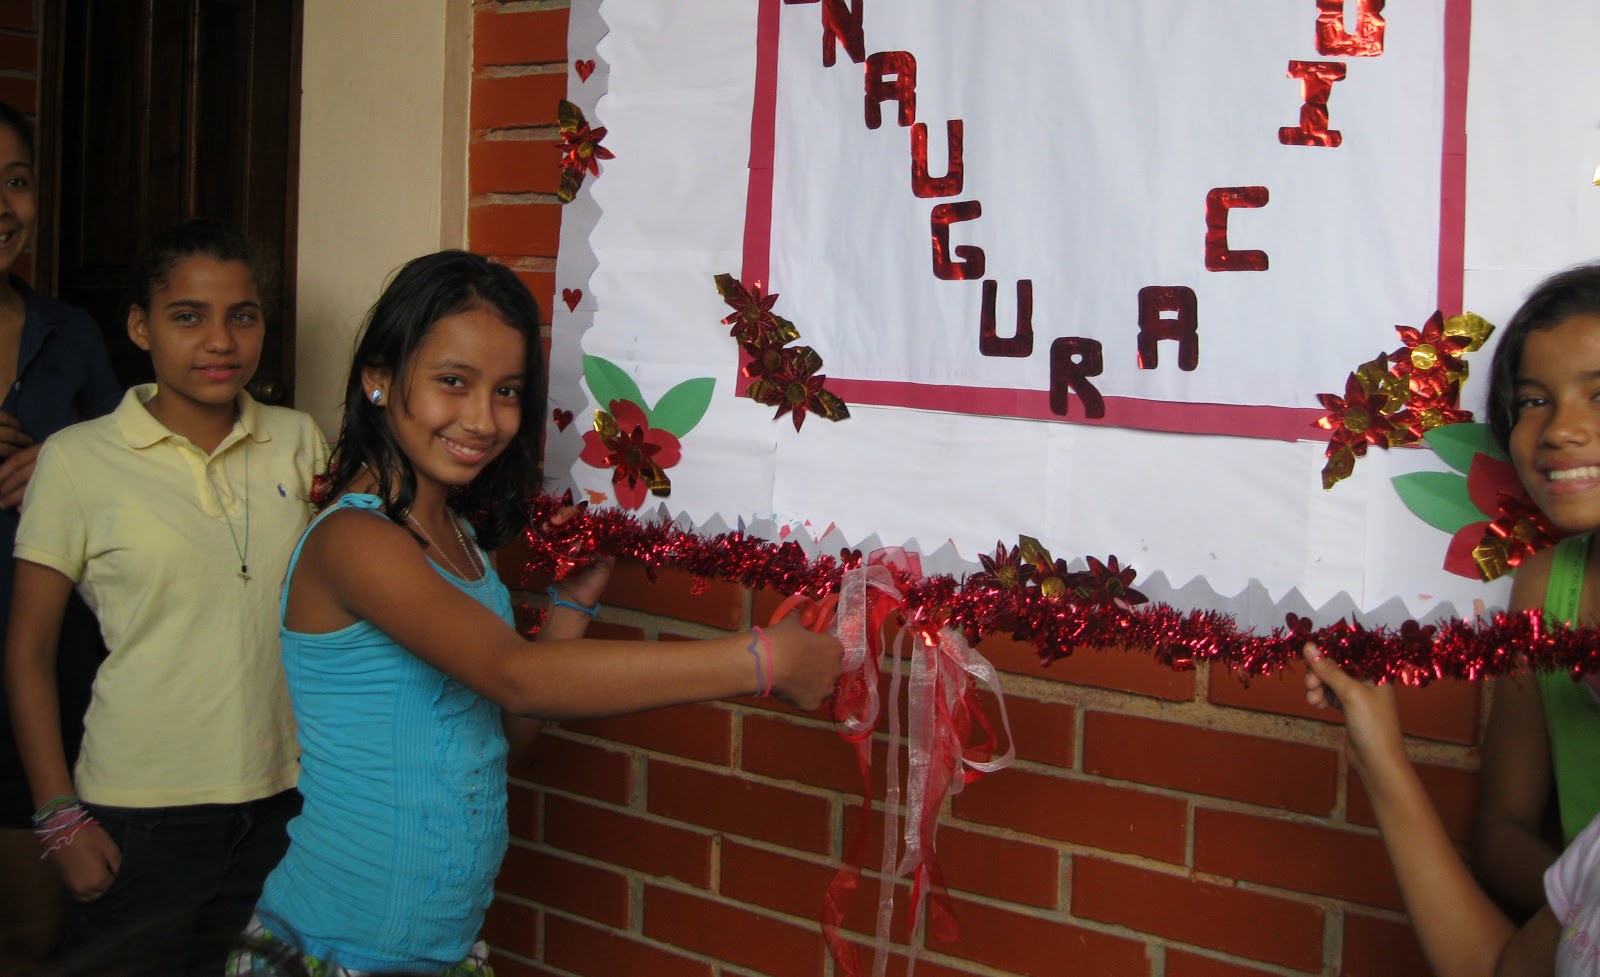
377	396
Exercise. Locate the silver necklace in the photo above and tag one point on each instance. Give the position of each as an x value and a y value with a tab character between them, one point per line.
242	551
479	574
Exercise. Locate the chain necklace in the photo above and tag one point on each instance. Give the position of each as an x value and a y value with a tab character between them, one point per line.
480	574
242	550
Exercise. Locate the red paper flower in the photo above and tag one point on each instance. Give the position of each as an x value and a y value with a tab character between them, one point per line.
1362	417
1107	583
623	440
1516	533
755	325
795	388
1003	571
581	151
1430	360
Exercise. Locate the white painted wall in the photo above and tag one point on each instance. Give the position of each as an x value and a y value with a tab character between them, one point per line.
383	147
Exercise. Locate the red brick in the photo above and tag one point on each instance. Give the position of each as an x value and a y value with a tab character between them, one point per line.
1043	732
579	768
514	166
506	966
594	952
1380	948
732	933
739	807
785	884
1082	812
676	594
1040	945
1444	710
979	862
515	229
628	840
18	15
1211	762
897	964
1181	964
563	884
19	53
518	100
1454	793
1103	668
524	37
523	805
699	732
1220	917
814	755
20	93
1294	855
512	926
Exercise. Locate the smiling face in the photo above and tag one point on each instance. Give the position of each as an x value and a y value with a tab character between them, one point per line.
1555	437
203	329
18	207
459	401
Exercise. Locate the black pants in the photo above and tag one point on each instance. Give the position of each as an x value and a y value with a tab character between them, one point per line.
189	879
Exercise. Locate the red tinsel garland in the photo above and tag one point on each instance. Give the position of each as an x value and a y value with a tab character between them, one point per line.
1413	654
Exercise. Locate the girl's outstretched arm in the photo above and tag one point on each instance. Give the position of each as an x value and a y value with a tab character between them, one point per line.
1461	930
38	601
1509	852
371	569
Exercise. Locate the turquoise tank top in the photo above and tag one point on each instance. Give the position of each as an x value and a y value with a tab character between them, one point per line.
391	863
1571	712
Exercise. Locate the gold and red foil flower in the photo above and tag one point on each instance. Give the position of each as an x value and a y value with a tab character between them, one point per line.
581	151
638	454
782	376
1400	396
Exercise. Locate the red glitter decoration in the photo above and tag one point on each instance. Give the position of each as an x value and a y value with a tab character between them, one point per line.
1460	649
623	440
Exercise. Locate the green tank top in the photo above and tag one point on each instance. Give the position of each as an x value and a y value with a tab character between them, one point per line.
1571	712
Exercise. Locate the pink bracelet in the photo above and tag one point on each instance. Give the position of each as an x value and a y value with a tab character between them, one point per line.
766	649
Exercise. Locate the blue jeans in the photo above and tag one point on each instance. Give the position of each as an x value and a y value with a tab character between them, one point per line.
190	876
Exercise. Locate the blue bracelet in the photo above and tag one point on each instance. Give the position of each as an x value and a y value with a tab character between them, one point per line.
556	600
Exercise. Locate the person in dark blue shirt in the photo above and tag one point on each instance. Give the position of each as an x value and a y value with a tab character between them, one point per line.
54	371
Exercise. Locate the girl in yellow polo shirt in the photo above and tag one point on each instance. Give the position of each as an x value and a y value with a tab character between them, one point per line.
174	517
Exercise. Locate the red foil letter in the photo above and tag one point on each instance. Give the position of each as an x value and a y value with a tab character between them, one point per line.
948	185
1021	344
841	23
1219	257
903	89
1183	326
1072	362
1366	42
971	265
1316	84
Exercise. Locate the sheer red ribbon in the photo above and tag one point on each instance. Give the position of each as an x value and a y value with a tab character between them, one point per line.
942	714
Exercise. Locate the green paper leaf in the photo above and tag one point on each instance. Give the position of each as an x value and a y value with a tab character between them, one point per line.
682	407
1439	499
1457	443
608	382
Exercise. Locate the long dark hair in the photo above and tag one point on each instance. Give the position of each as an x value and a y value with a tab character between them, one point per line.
1563	295
424	291
18	123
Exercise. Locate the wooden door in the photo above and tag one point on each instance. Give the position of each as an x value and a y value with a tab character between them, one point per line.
152	111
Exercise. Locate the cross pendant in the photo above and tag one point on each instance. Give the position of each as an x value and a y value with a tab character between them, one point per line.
244	573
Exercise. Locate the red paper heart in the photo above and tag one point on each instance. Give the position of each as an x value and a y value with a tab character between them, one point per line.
562	418
584	68
571	296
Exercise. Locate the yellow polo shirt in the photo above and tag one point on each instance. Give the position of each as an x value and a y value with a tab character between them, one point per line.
191	706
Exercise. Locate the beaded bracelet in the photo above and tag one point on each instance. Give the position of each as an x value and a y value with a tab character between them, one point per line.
556	600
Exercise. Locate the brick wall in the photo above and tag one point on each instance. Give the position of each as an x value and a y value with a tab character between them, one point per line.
1155	824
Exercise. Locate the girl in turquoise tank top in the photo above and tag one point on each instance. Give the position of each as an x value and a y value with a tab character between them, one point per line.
398	643
1540	779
